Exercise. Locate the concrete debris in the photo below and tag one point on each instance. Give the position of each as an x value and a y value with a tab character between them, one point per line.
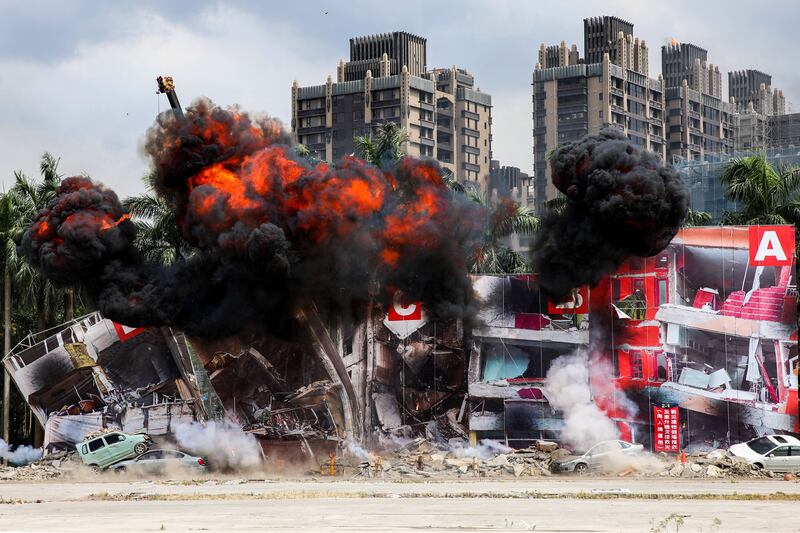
54	466
421	459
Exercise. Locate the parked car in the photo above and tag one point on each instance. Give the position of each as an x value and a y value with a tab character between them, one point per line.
779	453
159	461
595	456
101	451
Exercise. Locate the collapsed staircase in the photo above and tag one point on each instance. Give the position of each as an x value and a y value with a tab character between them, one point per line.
764	304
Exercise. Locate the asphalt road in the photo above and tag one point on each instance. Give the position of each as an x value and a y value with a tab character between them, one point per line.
563	505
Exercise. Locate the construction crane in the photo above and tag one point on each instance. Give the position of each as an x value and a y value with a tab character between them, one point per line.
167	86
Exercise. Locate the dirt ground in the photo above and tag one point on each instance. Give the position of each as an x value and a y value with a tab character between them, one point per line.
562	504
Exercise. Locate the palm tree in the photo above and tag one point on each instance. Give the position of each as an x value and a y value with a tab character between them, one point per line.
384	148
304	152
766	195
29	198
158	237
492	255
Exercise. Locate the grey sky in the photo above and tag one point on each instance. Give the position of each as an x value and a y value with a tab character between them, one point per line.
77	77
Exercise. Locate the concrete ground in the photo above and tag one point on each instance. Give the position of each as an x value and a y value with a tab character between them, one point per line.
549	505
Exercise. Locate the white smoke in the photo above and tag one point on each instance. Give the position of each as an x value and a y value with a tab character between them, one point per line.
21	455
568	391
223	444
357	451
486	449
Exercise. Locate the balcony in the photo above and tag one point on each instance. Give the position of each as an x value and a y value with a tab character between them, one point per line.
393	102
469	132
311	130
655	105
426	141
444	145
444	129
470	115
426	123
319	111
470	149
617	92
471	167
572	91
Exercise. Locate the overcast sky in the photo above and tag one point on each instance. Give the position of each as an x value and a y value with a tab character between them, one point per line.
77	77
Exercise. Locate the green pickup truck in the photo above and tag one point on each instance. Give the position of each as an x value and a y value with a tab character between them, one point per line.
101	451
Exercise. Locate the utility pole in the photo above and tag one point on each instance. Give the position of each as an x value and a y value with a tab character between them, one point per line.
6	349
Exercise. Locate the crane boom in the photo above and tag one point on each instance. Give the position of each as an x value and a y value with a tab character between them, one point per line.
167	86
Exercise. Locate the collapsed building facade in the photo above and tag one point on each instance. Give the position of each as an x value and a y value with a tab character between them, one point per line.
95	373
511	351
699	326
387	374
708	326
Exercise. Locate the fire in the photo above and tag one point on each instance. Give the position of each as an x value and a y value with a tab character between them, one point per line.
43	229
268	229
105	225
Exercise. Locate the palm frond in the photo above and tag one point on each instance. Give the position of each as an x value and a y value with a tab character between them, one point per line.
557	204
383	146
145	205
696	218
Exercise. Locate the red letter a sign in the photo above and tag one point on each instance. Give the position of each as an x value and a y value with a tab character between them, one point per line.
771	245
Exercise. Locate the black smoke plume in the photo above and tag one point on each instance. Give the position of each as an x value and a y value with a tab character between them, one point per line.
271	232
621	201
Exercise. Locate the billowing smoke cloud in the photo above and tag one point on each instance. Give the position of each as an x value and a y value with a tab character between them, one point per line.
621	202
271	232
223	444
568	388
19	456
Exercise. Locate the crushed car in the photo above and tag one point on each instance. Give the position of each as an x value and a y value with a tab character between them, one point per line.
99	452
595	457
778	453
160	462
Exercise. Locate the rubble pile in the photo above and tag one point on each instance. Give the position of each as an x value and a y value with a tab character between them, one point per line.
54	466
718	463
421	459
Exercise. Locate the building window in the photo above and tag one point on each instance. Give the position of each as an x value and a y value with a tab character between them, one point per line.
637	371
662	292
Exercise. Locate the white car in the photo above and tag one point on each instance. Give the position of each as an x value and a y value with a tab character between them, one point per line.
779	453
596	456
160	461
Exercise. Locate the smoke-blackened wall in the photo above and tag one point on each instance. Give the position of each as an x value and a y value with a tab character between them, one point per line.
271	232
621	201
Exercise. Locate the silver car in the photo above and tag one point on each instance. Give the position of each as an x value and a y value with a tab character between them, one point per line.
596	456
160	461
779	453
